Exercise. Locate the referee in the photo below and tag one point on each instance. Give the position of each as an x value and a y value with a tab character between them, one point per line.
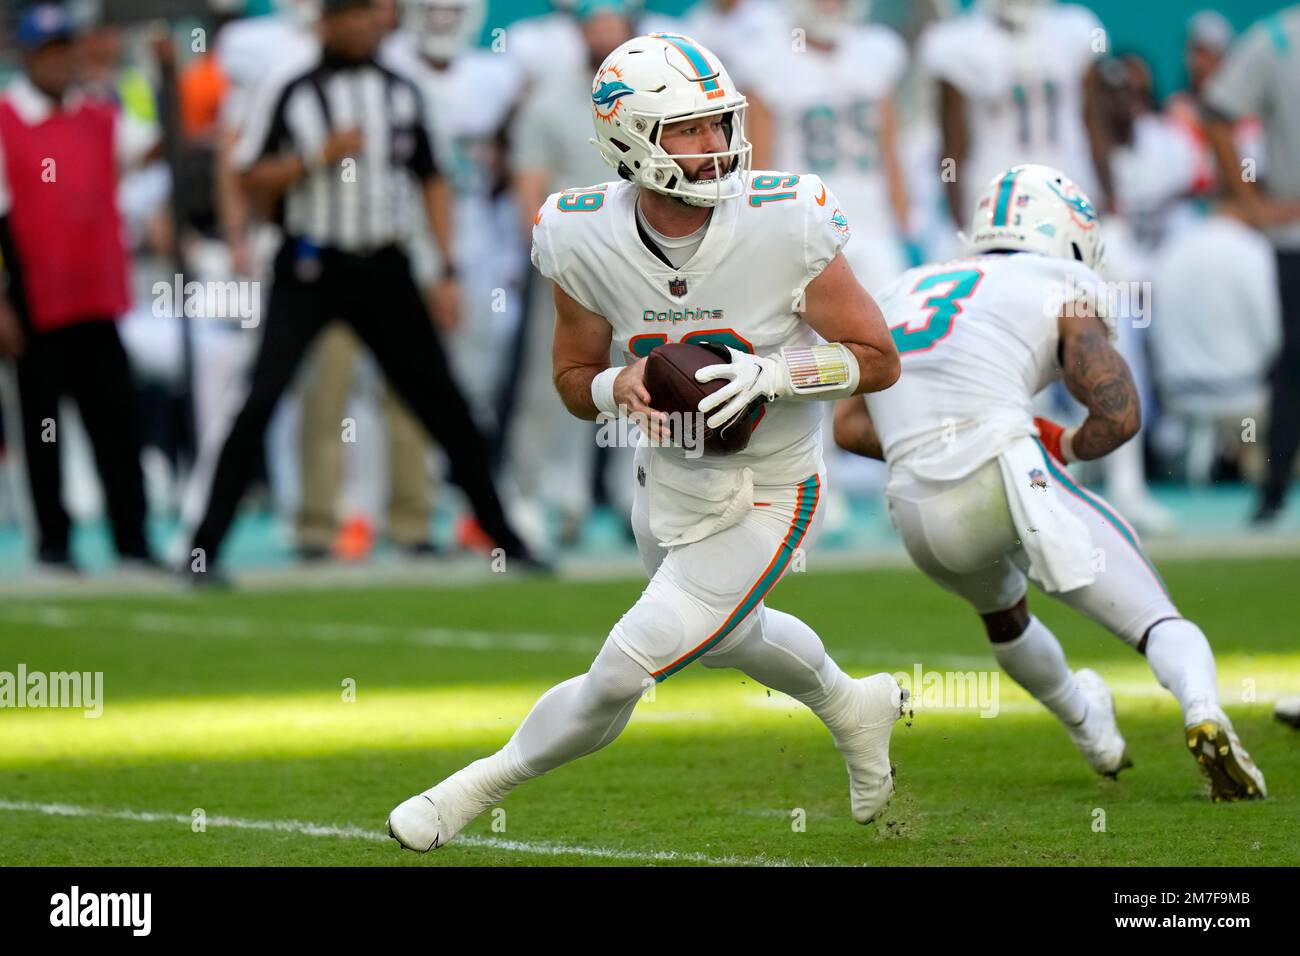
330	148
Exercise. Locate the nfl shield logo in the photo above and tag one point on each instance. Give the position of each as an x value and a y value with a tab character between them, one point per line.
677	286
1037	479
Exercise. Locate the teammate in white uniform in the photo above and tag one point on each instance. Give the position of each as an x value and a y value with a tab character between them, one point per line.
738	253
1011	90
470	95
979	489
830	109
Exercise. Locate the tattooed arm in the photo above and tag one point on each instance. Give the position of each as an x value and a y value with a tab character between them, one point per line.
1097	376
854	430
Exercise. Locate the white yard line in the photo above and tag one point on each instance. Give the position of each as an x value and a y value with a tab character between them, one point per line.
181	625
357	833
471	571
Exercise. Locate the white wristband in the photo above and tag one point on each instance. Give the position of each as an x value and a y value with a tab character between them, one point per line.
823	372
1067	444
602	391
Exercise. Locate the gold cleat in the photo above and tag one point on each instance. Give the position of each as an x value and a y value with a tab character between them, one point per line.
1224	762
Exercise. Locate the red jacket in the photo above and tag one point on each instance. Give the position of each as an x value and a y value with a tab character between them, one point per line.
66	228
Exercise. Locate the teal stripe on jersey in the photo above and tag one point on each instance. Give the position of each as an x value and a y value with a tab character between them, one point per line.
809	491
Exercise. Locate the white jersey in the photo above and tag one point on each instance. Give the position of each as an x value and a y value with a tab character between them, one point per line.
467	105
1024	91
732	33
977	339
739	289
256	50
826	114
537	44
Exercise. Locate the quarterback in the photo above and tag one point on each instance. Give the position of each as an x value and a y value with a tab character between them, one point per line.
978	488
688	245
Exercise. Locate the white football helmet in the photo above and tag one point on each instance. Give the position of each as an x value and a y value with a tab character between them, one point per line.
825	21
1016	14
1037	209
445	28
663	78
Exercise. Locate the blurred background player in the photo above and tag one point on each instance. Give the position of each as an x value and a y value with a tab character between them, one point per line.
1012	78
1260	78
549	454
979	489
734	29
818	106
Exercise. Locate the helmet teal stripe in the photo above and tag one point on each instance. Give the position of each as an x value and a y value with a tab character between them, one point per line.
1004	198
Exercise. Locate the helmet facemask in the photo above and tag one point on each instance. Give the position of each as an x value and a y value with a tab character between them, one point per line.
659	80
662	172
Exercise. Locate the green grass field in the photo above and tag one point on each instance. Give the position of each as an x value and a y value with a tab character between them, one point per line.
234	704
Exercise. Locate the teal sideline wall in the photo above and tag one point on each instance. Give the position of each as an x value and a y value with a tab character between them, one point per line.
1154	28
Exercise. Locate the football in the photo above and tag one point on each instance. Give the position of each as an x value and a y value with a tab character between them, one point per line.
670	380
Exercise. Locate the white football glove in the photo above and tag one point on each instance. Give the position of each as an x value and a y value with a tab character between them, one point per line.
749	377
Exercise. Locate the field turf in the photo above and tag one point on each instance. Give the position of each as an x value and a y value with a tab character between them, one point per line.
233	705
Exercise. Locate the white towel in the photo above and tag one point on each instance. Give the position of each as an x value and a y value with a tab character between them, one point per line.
1057	543
687	503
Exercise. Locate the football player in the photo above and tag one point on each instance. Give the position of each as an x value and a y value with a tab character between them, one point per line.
979	489
1012	89
750	260
827	115
470	95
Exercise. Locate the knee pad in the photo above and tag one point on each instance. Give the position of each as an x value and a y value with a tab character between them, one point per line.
614	677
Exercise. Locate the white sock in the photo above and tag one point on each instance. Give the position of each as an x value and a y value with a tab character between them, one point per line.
1036	662
1182	661
785	654
570	720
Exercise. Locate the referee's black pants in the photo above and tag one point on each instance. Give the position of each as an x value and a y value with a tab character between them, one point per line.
86	361
1284	413
377	296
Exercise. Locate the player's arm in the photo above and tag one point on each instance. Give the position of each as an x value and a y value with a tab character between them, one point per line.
1257	208
1097	375
956	145
587	384
854	429
858	356
1100	143
758	130
840	310
893	167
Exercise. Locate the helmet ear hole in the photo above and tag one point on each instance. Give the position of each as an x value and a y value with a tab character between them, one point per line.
1078	253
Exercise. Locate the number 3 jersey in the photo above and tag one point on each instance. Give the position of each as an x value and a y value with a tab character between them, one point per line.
743	287
977	339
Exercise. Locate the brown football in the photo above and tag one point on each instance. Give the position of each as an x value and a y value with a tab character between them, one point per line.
670	380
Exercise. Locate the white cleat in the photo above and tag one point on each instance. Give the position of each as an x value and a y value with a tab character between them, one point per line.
1098	737
1224	762
431	819
880	702
1288	711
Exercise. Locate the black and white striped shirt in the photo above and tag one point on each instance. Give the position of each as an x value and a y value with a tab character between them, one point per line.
361	203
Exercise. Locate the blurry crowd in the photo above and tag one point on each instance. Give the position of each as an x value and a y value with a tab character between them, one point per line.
906	121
